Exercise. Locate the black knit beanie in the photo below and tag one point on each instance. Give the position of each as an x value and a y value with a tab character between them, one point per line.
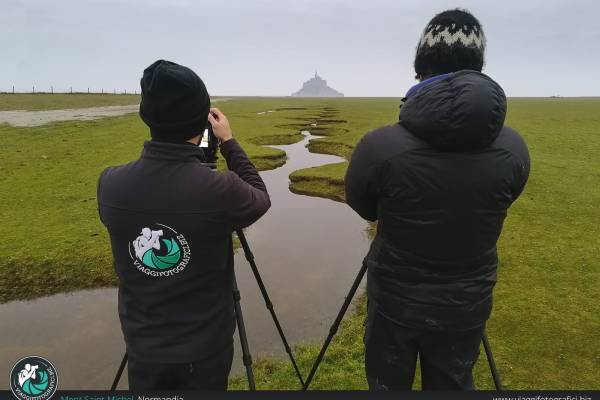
175	102
453	40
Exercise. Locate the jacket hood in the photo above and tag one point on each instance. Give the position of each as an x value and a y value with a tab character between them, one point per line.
460	111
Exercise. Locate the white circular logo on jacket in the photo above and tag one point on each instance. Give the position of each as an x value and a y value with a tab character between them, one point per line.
159	251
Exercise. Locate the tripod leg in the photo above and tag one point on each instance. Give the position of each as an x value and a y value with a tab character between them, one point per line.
246	357
119	373
490	358
336	325
269	304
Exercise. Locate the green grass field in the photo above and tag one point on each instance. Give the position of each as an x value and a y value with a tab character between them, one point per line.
545	328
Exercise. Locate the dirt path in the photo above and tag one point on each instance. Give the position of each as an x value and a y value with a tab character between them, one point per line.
36	118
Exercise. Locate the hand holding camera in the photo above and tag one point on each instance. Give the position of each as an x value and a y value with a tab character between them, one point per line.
217	132
220	125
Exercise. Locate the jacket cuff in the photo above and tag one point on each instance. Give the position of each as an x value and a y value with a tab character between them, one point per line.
228	147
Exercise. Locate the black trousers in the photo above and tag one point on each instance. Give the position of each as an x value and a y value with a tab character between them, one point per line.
206	374
391	351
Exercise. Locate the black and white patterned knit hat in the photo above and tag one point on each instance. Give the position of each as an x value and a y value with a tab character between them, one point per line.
453	40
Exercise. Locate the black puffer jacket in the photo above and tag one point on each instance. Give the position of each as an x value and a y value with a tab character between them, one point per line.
439	183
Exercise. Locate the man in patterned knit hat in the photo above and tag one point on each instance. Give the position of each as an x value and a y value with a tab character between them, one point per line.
439	184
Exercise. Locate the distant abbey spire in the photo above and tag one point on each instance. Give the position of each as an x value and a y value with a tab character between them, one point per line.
317	87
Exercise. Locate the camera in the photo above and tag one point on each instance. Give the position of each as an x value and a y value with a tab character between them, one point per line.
209	146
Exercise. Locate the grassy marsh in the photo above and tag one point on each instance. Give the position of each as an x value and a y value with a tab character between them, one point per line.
545	327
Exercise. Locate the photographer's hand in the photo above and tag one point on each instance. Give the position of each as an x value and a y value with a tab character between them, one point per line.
220	125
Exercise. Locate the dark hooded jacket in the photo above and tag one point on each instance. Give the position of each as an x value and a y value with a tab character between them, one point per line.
170	220
439	183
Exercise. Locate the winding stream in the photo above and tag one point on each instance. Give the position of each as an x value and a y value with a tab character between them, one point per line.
308	251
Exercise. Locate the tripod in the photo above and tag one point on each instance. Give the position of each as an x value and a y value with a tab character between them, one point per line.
268	303
336	324
210	160
246	357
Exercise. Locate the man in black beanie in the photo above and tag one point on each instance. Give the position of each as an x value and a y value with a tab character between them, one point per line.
439	184
170	220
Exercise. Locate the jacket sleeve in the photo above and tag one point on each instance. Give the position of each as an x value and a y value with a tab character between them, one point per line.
247	198
361	180
99	195
522	166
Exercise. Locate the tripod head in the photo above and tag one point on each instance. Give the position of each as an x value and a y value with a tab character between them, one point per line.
209	146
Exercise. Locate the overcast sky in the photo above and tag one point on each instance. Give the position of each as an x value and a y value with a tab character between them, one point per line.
269	47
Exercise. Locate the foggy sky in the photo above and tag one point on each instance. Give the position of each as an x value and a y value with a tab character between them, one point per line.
269	47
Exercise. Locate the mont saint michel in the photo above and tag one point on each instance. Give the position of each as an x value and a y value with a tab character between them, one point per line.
316	87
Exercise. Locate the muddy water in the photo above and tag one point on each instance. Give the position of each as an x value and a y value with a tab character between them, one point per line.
308	251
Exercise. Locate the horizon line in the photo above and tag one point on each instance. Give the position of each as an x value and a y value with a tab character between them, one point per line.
136	93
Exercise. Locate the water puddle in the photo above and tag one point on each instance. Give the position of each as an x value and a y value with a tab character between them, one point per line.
308	251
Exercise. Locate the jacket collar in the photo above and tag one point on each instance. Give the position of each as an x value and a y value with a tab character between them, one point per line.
418	86
172	151
415	89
